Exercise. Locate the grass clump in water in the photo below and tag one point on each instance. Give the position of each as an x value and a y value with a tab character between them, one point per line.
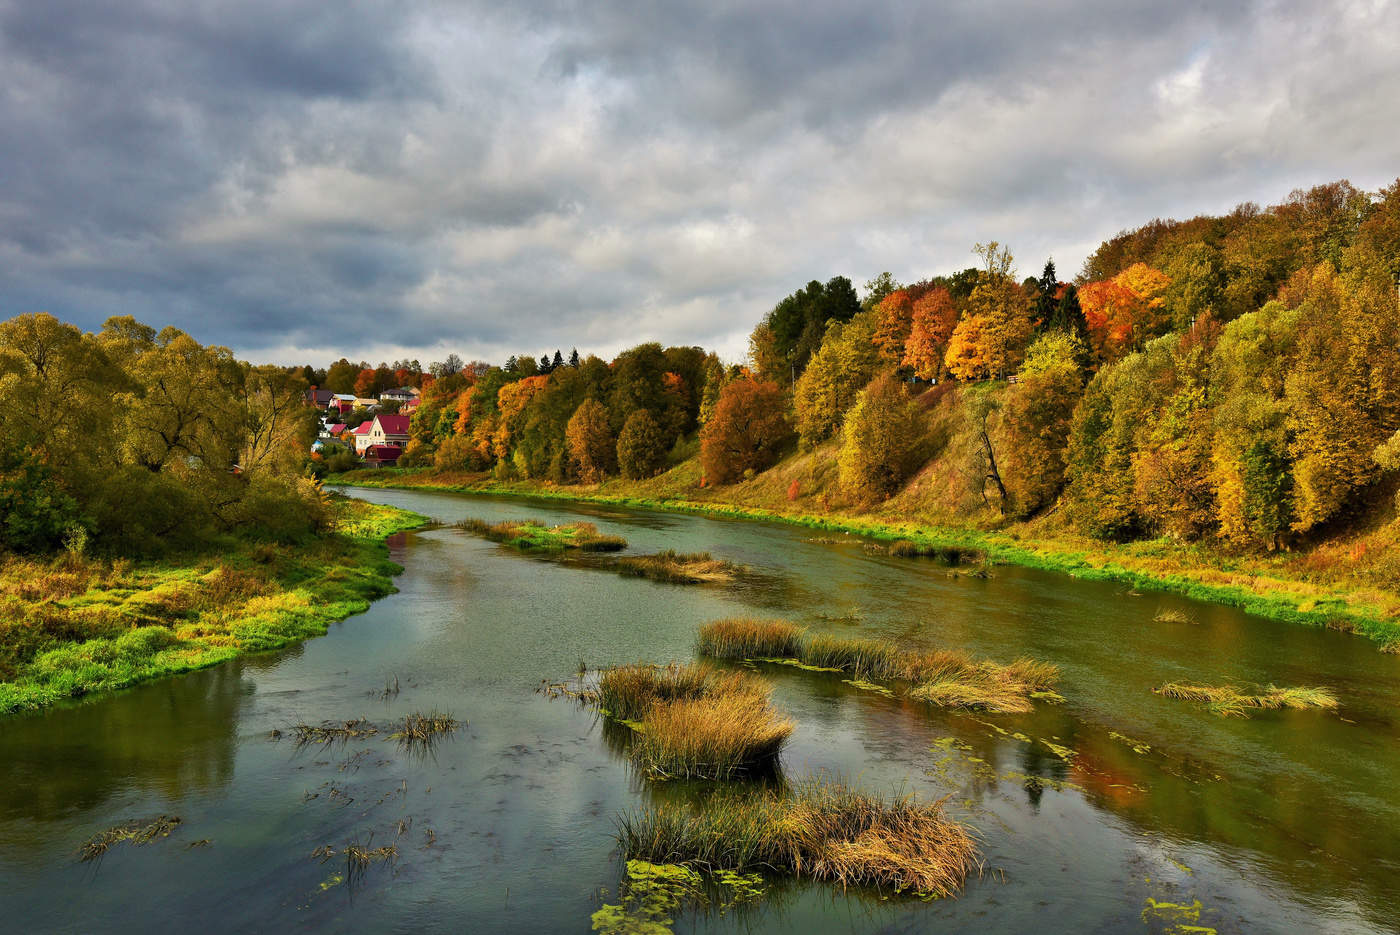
138	832
531	534
674	567
422	731
949	555
1230	701
1174	616
332	731
695	722
746	638
949	679
812	830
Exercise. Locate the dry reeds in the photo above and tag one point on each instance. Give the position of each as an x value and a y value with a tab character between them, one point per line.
824	832
1230	701
745	638
714	737
138	832
949	679
695	722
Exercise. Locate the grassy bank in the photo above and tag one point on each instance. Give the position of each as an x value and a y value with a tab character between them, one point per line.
71	626
1296	588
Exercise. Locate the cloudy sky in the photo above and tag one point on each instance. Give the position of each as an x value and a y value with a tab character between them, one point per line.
302	179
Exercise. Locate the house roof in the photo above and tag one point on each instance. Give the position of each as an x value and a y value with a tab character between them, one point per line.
345	397
336	429
319	397
364	428
383	452
393	425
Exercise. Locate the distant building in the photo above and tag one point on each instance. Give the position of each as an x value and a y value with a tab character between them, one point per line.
319	399
401	394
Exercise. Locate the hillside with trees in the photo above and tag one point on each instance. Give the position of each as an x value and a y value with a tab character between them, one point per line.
1231	382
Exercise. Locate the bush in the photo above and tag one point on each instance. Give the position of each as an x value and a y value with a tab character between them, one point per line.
36	512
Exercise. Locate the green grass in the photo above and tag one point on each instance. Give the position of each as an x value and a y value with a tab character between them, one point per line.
810	830
1261	585
1231	701
947	679
72	627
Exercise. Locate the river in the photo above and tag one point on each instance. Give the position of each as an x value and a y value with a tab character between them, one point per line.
1100	814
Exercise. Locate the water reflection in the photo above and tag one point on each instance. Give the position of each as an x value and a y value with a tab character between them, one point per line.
171	737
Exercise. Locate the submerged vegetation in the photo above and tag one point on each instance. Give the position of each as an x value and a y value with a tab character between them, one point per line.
138	832
809	830
940	677
695	722
669	566
1230	701
75	624
532	534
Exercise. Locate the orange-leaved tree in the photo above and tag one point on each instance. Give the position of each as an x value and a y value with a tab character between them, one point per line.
747	431
592	450
894	317
934	318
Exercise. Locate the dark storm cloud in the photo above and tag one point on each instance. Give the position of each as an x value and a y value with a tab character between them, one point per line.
303	179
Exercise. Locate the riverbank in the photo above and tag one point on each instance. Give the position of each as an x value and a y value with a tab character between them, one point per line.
72	626
1283	587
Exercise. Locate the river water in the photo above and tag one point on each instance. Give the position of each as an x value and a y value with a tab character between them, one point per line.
1100	814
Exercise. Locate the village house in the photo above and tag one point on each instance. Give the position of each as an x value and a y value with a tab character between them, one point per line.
398	395
382	430
319	398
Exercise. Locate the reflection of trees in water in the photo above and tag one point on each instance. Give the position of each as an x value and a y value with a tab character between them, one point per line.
175	735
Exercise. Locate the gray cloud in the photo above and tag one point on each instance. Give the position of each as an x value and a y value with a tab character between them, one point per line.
300	180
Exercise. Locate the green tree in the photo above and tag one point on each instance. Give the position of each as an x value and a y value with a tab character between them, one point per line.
1036	415
641	446
829	386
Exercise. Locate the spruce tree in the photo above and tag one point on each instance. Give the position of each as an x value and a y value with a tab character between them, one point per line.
1044	309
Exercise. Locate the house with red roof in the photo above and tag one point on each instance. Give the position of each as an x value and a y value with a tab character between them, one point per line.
384	430
362	439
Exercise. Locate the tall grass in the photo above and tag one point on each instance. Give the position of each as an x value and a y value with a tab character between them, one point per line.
712	737
945	678
811	830
693	721
1230	701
